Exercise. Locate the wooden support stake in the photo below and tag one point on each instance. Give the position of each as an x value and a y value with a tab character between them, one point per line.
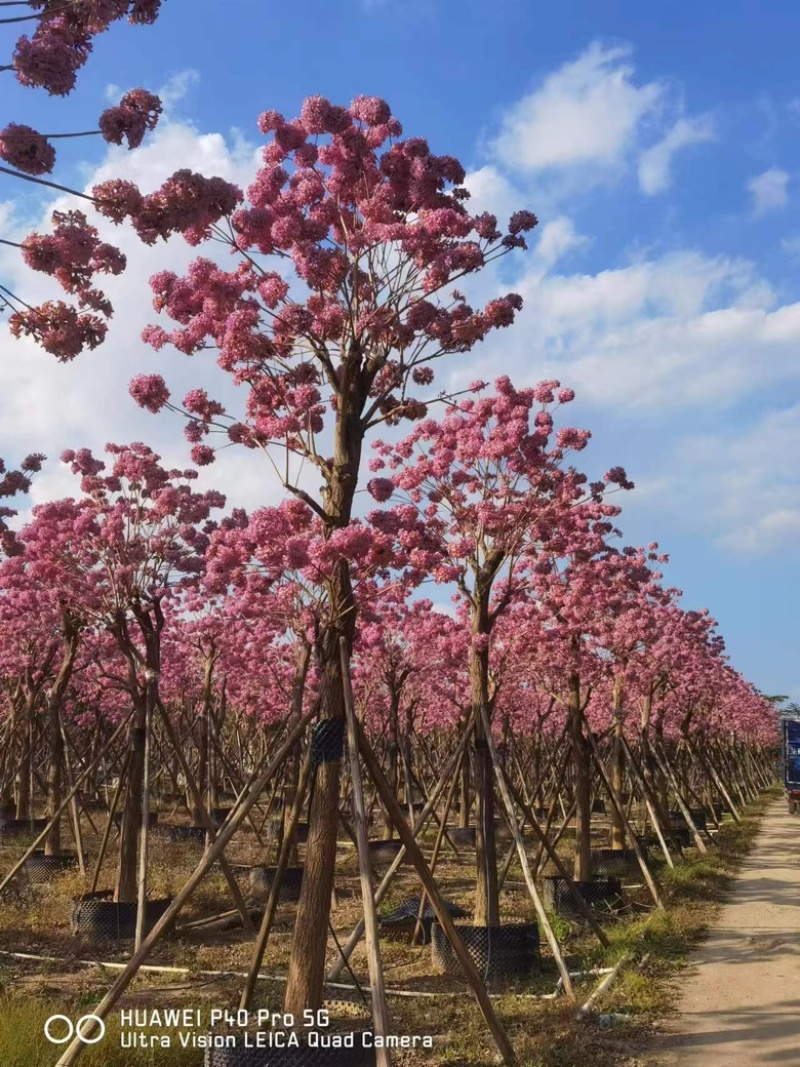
667	770
79	782
380	1011
508	803
230	878
437	900
210	857
648	877
383	888
275	889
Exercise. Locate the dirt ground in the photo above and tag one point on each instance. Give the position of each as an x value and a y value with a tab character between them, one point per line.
740	1002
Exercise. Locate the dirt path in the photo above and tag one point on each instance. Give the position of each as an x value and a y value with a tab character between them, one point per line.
740	1005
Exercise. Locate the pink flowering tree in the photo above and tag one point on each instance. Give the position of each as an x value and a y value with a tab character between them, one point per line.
492	482
12	483
49	58
138	532
374	232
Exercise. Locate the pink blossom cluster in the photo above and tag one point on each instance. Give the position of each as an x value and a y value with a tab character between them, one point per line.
62	42
25	149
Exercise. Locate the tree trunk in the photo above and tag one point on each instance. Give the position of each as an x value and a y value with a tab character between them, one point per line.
307	963
617	768
581	765
55	763
23	776
125	889
304	988
487	895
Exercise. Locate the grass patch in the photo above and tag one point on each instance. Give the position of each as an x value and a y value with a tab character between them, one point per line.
544	1033
23	1044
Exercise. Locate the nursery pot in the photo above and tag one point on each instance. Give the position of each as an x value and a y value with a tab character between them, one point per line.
152	819
385	851
261	879
8	813
219	815
466	836
195	835
498	952
698	817
615	862
18	827
40	868
601	895
238	1054
401	923
681	835
598	807
97	917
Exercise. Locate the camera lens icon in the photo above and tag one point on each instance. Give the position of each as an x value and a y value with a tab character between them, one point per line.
56	1024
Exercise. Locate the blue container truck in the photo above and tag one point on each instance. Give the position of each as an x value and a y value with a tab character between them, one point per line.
790	748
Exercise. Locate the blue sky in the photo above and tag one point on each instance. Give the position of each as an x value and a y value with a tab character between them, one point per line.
662	158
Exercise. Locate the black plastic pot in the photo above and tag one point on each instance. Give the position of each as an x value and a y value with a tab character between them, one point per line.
401	923
96	917
261	879
385	851
8	813
466	836
300	831
151	822
19	827
194	835
303	1056
219	815
540	813
40	868
600	895
598	807
698	817
681	835
615	862
499	952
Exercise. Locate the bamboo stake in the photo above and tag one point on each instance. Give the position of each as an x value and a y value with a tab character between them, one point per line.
651	808
233	885
110	824
436	899
212	854
383	888
31	849
667	770
275	888
648	877
511	817
144	833
380	1011
562	870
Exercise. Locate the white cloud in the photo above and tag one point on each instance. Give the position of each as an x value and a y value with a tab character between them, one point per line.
556	239
587	112
651	338
48	406
769	191
743	485
494	192
655	163
177	88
